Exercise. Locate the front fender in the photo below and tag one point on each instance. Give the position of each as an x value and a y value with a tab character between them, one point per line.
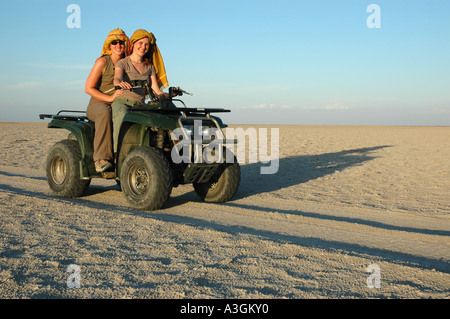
152	119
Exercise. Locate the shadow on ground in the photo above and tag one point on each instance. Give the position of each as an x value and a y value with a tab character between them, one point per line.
300	169
297	170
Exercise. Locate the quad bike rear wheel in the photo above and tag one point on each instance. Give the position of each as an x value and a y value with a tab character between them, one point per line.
63	170
146	178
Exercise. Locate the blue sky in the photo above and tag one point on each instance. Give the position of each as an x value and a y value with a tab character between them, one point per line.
269	61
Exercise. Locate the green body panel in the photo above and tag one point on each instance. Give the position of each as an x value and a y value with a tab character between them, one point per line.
136	130
137	136
152	119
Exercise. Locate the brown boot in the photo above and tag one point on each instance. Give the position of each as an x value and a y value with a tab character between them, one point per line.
102	165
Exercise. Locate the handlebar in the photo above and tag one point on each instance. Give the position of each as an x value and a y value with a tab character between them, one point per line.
173	91
131	89
135	84
178	91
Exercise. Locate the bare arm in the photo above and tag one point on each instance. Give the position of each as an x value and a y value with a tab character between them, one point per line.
156	88
118	79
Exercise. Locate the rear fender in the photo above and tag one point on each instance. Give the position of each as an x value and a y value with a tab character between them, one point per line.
84	134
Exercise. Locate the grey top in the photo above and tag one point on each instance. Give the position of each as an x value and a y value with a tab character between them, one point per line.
130	72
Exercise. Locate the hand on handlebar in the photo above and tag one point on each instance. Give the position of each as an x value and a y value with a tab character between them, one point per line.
125	85
177	91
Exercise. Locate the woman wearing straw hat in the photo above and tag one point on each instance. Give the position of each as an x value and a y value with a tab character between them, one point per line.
145	64
100	87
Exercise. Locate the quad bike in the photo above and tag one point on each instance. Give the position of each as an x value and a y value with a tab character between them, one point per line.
144	165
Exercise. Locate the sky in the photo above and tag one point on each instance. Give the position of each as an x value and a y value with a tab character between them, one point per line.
302	62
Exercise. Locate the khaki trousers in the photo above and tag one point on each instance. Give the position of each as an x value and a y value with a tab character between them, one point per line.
119	109
100	113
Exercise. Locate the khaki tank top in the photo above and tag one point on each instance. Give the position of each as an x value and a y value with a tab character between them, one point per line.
106	82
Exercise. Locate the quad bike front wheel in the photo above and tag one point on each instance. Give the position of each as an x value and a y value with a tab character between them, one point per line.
146	178
223	187
63	170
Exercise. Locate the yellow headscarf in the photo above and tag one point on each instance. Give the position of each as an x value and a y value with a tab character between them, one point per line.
116	34
158	62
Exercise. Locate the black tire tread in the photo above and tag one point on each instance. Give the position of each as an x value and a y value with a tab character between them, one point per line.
161	175
73	186
228	183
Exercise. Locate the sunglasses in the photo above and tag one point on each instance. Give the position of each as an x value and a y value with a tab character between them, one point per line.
114	42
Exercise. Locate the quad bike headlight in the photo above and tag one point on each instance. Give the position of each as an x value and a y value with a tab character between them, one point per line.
200	129
189	129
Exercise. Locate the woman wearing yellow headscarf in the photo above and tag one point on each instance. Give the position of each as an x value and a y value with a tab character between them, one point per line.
144	64
100	87
152	56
